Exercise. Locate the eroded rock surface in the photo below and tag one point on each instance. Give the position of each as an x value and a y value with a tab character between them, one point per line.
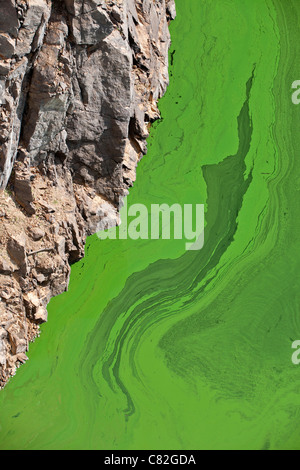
79	86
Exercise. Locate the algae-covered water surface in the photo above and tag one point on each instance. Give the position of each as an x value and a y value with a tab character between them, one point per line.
157	347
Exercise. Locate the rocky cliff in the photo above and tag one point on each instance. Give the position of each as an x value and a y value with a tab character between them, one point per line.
79	86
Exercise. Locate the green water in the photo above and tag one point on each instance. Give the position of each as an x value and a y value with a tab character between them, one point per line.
155	347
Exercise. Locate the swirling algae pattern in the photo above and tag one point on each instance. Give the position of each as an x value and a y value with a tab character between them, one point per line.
156	347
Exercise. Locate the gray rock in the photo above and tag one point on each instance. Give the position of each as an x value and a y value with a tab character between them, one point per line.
23	193
16	248
9	22
92	27
3	350
7	46
6	266
37	233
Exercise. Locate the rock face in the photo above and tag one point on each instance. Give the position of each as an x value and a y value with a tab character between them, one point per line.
79	86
